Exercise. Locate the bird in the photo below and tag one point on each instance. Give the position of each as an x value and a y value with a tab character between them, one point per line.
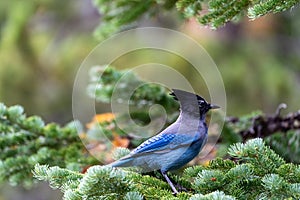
177	144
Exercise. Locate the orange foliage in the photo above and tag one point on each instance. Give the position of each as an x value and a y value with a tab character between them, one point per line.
104	117
119	141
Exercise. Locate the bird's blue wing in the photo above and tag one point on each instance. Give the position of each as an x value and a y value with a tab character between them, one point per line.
163	142
159	141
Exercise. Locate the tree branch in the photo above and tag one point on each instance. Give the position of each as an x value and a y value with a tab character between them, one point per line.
266	125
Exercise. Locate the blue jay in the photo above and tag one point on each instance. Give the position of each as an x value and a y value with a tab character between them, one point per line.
177	144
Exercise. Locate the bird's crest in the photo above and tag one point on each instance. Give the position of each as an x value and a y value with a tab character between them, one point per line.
190	102
180	95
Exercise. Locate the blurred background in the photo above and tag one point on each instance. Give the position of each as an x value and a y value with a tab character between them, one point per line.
42	44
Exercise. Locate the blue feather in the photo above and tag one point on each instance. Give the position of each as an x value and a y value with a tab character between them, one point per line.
155	143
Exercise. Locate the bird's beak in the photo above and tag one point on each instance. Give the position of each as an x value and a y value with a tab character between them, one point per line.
212	106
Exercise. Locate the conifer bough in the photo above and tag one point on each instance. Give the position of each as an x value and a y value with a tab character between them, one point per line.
259	173
26	141
120	14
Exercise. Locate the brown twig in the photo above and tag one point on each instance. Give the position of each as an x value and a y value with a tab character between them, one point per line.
266	125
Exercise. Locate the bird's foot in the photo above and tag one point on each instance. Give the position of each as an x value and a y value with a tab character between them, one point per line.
180	188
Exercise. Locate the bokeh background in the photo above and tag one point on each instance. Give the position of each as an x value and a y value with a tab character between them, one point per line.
42	44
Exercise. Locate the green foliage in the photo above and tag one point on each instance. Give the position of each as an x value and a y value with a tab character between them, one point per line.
26	141
57	177
212	196
103	81
69	181
119	14
222	11
287	145
204	183
244	122
101	182
260	172
142	94
230	130
270	6
133	196
120	152
265	176
257	154
189	8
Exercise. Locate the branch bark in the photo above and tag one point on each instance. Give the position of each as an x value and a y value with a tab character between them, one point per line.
266	125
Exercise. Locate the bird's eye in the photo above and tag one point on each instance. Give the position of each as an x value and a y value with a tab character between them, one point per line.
200	102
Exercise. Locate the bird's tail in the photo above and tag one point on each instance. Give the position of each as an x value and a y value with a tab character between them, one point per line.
124	162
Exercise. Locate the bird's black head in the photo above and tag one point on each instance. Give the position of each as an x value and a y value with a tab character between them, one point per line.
191	102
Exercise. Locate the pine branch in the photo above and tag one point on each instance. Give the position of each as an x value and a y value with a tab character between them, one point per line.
254	174
274	6
26	141
103	81
143	95
120	14
250	178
